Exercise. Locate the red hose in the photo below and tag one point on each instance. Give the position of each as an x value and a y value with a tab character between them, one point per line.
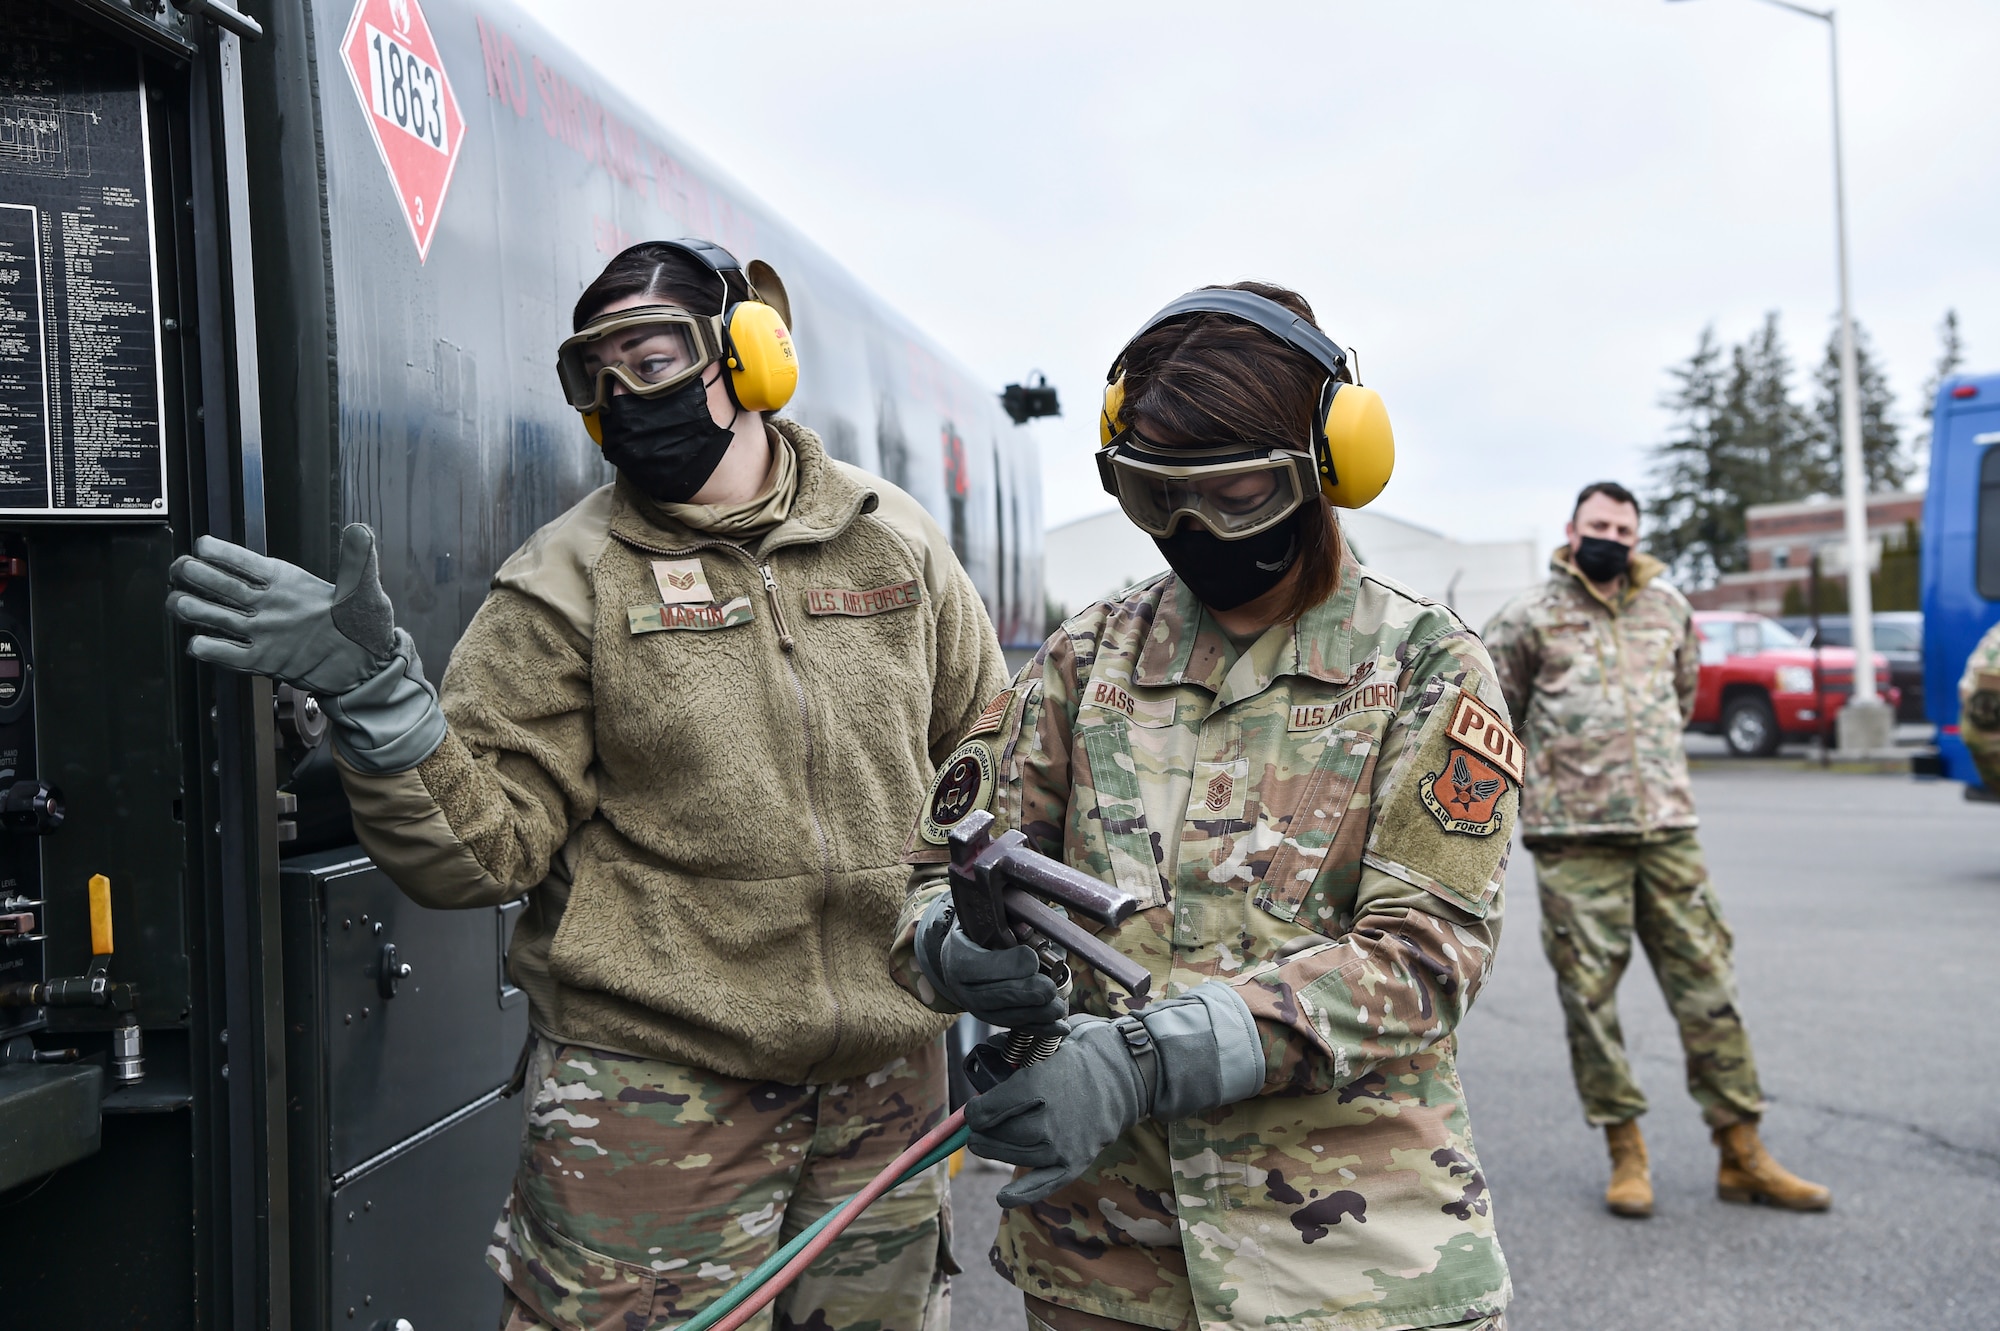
878	1185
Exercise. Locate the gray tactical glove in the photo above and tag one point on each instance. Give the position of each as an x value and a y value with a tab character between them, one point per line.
338	641
1000	986
1179	1057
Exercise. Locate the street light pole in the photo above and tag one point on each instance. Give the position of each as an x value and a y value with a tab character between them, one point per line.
1853	470
1865	720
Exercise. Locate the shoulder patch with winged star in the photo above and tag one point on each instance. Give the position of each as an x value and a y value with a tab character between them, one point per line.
1465	796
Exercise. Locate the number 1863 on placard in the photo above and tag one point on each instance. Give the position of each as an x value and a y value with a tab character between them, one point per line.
405	89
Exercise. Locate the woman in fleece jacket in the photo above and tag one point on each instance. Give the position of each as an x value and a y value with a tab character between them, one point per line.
691	724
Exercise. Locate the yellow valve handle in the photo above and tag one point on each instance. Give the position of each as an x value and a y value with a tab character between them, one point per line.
100	915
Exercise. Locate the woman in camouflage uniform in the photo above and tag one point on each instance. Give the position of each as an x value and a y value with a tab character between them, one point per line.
1305	773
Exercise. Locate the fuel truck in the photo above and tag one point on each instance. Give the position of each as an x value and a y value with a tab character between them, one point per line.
267	269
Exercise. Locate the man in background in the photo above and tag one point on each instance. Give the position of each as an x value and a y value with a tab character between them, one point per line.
1599	666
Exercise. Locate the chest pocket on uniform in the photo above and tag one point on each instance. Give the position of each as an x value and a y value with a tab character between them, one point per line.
1322	829
1121	814
1649	650
1572	657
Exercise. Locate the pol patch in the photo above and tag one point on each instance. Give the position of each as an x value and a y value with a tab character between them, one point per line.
963	784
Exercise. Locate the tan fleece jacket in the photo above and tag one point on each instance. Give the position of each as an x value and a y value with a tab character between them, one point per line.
699	760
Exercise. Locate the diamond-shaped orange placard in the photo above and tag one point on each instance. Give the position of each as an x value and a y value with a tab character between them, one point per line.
400	79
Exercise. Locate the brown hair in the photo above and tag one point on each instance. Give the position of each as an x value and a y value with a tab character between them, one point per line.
651	268
1611	490
1218	380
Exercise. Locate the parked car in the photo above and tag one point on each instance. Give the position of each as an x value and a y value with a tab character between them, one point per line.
1757	686
1899	636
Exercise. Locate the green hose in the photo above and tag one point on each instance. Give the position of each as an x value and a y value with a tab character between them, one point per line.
777	1261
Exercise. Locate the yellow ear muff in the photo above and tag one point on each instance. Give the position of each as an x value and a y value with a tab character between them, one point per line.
1359	451
763	364
593	424
1114	402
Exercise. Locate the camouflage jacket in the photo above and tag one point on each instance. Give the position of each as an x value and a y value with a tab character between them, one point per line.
1979	708
1323	821
1600	691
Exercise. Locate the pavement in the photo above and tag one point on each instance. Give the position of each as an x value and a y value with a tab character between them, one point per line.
1867	915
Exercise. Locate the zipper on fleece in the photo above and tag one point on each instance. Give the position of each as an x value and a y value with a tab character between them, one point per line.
812	800
778	615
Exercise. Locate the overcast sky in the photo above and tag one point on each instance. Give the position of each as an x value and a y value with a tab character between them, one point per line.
1520	213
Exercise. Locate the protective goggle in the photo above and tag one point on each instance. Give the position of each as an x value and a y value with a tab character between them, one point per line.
650	349
1234	491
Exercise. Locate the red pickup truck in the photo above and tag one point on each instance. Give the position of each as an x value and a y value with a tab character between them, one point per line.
1757	686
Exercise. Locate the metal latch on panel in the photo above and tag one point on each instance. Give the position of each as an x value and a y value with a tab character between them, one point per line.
393	972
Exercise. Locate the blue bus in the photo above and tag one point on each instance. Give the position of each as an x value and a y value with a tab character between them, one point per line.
1961	551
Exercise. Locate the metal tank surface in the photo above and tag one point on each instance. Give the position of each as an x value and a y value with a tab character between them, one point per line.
445	429
265	270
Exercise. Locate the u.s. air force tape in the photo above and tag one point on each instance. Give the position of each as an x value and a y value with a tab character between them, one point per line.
963	784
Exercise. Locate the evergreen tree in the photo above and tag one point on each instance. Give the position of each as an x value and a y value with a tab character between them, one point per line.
1774	459
1882	458
1685	502
1951	355
1739	438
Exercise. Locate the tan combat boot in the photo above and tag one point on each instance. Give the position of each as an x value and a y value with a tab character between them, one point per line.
1749	1174
1631	1190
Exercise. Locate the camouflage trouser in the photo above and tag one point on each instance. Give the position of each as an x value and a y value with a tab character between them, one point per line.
1046	1316
648	1188
1596	893
1282	1213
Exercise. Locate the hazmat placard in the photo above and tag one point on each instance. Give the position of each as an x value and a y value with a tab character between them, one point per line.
407	99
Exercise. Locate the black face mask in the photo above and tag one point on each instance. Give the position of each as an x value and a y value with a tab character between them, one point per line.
1225	574
1601	560
668	445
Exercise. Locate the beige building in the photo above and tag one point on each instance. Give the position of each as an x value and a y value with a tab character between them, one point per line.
1783	539
1085	560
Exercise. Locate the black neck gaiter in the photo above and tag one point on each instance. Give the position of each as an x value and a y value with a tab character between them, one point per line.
1225	574
669	445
